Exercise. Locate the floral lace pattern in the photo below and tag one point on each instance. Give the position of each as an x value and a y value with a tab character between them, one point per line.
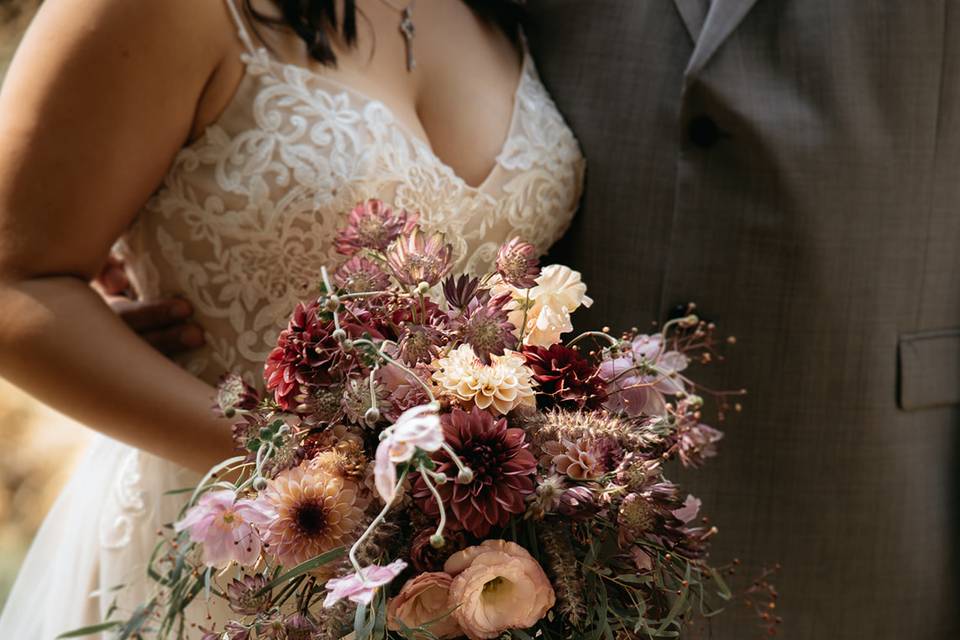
246	215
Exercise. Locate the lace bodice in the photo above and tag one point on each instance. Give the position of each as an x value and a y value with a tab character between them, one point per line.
246	215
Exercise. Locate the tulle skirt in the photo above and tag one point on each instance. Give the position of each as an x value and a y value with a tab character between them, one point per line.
99	535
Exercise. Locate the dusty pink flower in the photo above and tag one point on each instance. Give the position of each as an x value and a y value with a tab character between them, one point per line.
697	443
373	225
639	381
360	588
225	527
359	274
417	428
423	600
403	391
497	586
417	257
689	511
517	264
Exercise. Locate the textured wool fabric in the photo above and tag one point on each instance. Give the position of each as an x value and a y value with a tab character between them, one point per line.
793	166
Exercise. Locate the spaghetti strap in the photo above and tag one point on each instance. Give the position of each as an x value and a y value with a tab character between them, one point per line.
241	27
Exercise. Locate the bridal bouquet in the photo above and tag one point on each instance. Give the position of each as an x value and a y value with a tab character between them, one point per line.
434	459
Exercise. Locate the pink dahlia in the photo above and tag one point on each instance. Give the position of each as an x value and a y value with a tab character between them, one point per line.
503	472
373	225
517	264
225	527
315	512
417	257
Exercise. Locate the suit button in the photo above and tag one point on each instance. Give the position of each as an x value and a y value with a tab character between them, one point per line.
703	132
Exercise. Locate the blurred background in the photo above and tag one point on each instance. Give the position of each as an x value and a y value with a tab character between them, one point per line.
38	445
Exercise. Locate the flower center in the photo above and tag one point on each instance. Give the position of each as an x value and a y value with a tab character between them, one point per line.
311	518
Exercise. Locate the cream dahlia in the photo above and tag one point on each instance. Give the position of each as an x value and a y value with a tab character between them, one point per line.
316	512
503	385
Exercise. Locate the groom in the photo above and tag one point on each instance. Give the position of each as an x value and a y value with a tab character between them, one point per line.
793	166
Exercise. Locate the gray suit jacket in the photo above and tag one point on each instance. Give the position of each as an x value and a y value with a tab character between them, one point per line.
793	166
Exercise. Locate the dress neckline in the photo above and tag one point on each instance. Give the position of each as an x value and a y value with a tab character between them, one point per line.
414	138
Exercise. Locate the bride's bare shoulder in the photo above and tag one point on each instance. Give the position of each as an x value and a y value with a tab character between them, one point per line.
149	35
101	94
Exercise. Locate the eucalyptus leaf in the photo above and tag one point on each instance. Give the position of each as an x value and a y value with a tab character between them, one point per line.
304	567
90	630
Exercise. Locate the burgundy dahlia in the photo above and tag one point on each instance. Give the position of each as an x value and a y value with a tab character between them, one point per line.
565	377
425	557
517	264
307	356
373	225
503	472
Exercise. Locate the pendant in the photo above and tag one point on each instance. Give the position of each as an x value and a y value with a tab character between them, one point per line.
407	30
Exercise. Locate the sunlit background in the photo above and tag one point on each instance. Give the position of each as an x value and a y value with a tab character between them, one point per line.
37	446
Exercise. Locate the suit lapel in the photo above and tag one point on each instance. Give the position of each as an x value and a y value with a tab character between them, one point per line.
694	14
722	19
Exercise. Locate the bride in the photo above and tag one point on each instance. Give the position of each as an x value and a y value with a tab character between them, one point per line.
215	145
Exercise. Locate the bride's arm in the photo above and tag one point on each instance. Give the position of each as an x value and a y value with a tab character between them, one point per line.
97	102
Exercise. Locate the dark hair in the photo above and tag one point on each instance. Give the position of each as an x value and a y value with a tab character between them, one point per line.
315	21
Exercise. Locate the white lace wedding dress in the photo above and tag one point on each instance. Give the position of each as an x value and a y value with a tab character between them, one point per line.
241	226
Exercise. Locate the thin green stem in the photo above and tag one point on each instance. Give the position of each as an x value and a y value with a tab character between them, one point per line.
373	525
436	496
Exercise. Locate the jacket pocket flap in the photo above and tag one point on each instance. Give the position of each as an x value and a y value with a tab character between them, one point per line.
929	369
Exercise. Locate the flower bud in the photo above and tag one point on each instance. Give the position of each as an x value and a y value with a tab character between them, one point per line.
465	476
260	484
437	541
577	502
339	335
423	288
372	416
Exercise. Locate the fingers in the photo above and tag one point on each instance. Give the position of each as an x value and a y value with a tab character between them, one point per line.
113	280
148	317
175	339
